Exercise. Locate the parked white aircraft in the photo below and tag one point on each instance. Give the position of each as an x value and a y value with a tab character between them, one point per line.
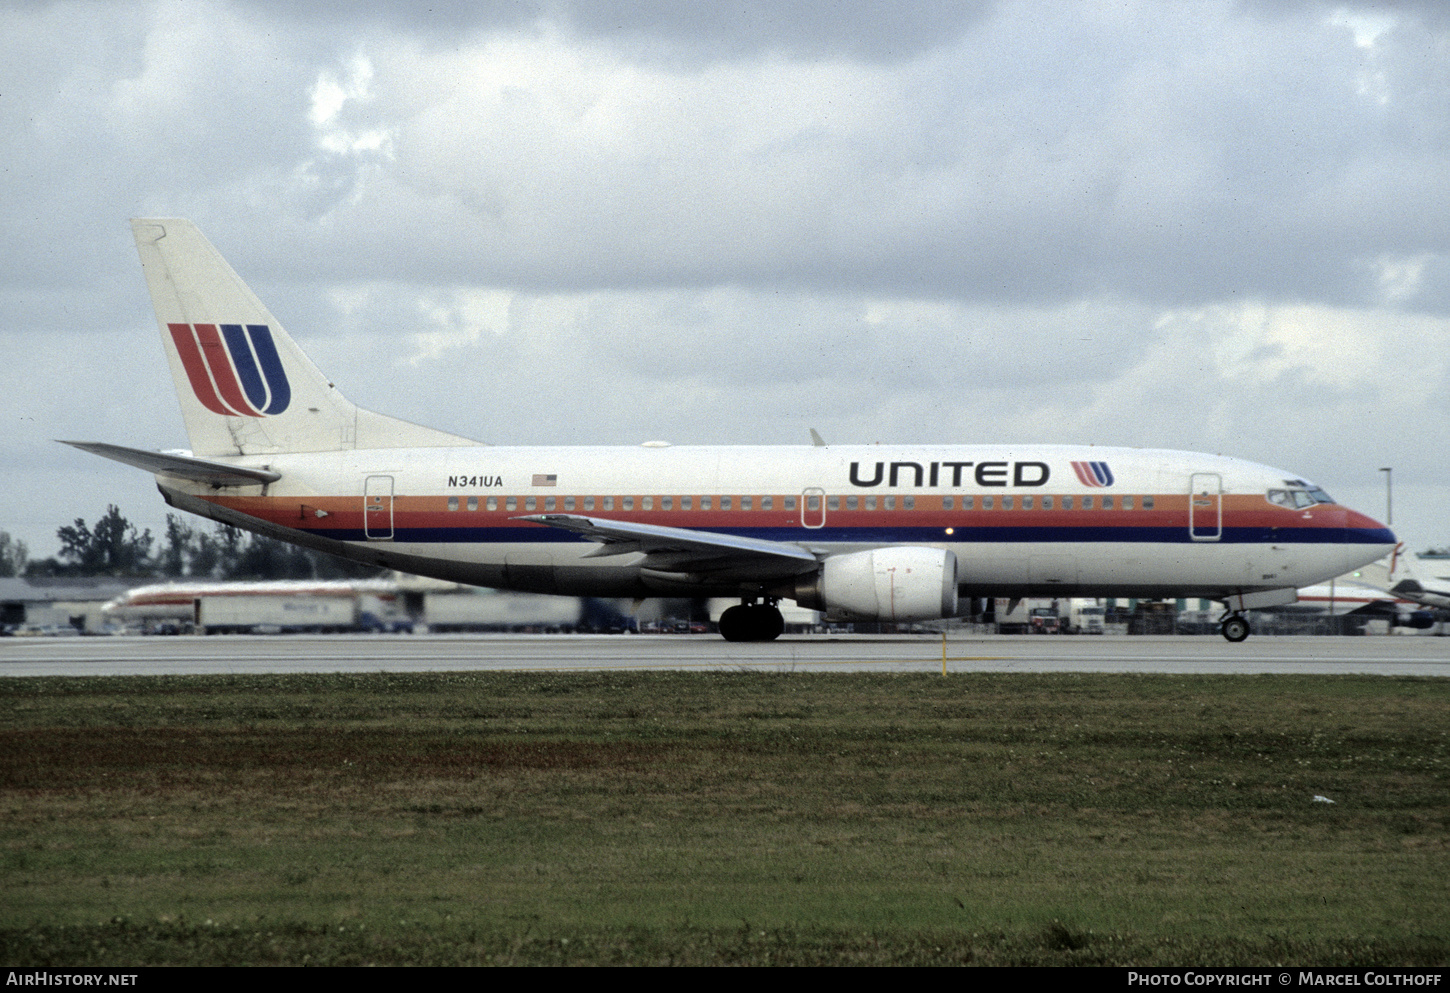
1342	598
882	532
1408	578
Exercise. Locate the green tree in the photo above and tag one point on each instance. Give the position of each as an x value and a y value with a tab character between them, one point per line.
114	547
178	548
13	555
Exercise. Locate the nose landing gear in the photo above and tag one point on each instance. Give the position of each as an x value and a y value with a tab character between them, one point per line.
1234	627
751	621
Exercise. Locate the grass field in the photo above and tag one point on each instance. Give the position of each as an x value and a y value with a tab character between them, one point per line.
747	818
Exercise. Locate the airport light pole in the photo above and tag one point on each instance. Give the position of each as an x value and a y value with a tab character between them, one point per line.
1389	496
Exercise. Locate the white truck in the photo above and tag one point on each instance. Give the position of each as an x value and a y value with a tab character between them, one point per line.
1086	617
264	613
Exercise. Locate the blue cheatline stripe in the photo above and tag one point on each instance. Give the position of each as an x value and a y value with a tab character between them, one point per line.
906	535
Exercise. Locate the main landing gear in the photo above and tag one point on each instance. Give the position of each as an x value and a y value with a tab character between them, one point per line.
1234	627
751	621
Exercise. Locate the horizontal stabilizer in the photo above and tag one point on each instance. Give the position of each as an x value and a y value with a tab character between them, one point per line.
180	466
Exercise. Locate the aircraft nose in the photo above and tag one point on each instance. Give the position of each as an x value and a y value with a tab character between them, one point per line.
1368	530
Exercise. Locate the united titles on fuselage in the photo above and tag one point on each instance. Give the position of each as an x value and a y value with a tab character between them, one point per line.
985	473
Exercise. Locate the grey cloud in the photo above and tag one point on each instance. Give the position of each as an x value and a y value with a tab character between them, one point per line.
668	30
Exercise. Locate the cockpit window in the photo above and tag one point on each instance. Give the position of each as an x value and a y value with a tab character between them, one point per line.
1298	494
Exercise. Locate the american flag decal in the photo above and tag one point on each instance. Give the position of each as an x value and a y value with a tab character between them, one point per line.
542	480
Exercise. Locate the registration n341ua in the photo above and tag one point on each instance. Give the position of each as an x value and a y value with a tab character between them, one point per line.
885	532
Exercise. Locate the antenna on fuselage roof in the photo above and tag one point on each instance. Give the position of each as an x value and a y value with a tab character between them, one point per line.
816	441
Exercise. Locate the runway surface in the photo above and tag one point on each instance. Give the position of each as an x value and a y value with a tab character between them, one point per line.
114	656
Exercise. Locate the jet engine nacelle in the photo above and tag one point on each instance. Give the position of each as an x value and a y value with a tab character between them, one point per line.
884	584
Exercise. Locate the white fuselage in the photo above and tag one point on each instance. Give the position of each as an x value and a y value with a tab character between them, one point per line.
1021	520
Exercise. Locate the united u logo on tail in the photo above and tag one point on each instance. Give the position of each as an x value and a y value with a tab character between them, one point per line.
1093	473
234	369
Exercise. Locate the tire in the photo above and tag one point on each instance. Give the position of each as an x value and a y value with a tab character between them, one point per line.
1235	629
751	623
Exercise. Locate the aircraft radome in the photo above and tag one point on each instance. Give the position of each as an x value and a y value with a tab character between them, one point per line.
876	533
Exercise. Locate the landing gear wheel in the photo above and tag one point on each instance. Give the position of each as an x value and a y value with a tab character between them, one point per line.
735	624
1235	628
772	624
751	622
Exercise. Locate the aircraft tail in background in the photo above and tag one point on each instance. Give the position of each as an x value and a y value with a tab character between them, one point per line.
244	385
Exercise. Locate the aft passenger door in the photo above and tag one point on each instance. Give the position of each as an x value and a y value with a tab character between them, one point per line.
1205	506
378	508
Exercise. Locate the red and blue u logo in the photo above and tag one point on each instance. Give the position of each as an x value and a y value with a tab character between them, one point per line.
1093	473
234	369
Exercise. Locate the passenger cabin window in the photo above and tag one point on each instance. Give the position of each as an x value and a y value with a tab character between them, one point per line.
648	503
1067	503
908	503
1148	502
745	503
1026	503
530	503
724	503
686	503
947	503
704	503
452	503
548	503
1047	503
609	503
833	503
1107	503
870	503
568	503
492	503
667	503
767	503
1087	503
790	503
851	502
890	502
629	503
588	503
473	503
988	502
1006	503
967	502
512	503
1127	503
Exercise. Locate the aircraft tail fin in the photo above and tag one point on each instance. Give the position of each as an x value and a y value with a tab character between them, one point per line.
244	385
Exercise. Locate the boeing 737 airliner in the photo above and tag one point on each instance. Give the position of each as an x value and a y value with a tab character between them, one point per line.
881	532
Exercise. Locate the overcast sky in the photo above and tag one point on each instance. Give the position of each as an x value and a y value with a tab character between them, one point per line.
1220	227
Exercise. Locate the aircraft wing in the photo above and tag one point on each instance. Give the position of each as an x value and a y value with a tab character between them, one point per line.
182	466
682	550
